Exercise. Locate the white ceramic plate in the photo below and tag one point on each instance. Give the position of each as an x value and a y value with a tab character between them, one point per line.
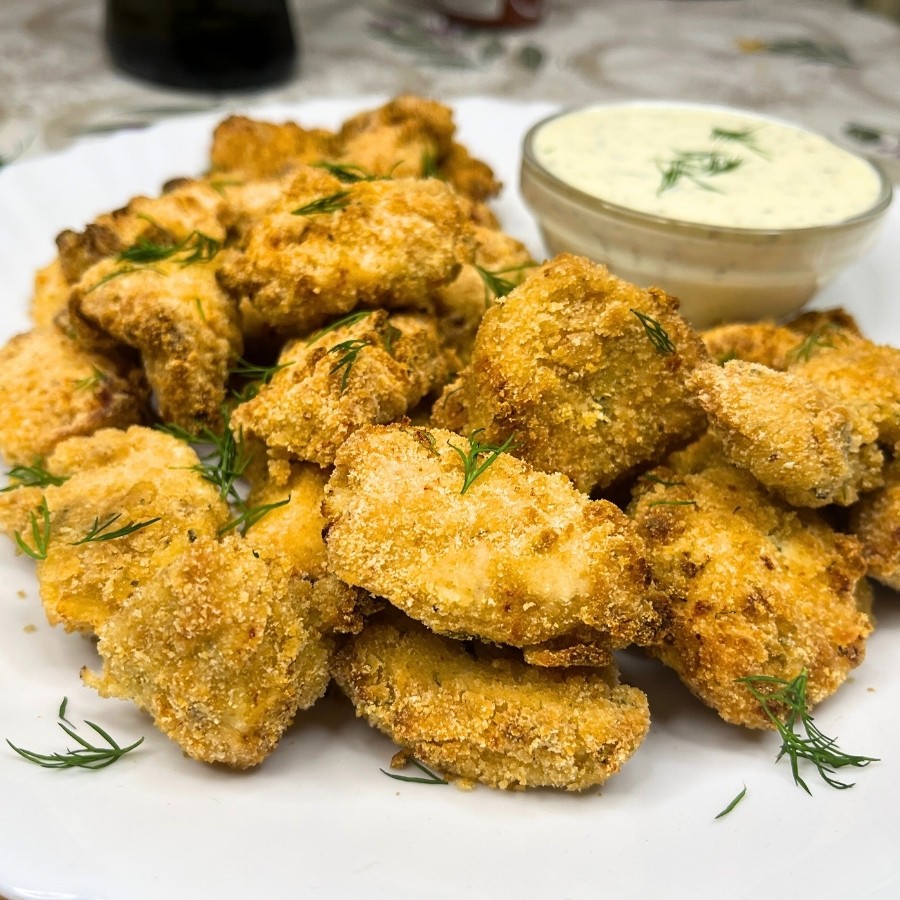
318	819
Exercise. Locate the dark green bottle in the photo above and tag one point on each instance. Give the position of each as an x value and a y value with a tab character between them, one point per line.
203	45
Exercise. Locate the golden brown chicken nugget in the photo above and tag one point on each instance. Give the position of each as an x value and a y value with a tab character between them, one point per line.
500	264
758	342
799	440
371	370
875	520
329	247
51	294
216	648
481	714
129	503
55	388
521	557
863	375
174	313
190	207
264	149
755	587
586	370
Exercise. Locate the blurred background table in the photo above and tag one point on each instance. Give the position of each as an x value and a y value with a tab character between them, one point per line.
825	63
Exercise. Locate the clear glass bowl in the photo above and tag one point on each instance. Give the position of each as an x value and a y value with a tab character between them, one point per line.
718	273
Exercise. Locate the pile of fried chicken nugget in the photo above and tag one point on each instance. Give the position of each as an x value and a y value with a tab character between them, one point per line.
314	417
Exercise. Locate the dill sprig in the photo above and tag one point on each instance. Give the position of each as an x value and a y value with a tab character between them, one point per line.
196	247
251	515
470	458
98	532
430	777
672	503
34	475
648	477
819	338
350	319
495	285
86	756
226	461
785	704
257	376
430	167
658	335
40	533
97	376
329	204
350	350
740	796
350	173
696	166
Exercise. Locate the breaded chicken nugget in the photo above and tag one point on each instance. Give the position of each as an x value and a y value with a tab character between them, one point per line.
758	342
216	648
113	480
500	264
190	207
329	247
875	520
799	440
587	370
481	714
412	136
51	294
54	388
265	150
520	558
862	375
755	587
371	370
181	322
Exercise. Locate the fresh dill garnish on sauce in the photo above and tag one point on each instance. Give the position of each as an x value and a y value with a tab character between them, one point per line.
786	705
34	475
86	756
40	533
740	796
743	136
430	777
329	204
472	468
657	335
98	531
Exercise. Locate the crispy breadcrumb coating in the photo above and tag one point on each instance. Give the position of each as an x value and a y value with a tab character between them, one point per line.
566	364
875	520
387	243
755	587
481	714
179	319
799	440
54	388
136	475
371	371
51	294
460	305
758	342
521	558
862	375
191	206
263	149
216	648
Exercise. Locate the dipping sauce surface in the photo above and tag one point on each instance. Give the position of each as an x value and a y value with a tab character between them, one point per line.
709	166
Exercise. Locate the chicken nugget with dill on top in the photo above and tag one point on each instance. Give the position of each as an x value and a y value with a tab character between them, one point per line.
875	520
587	370
474	542
755	587
481	714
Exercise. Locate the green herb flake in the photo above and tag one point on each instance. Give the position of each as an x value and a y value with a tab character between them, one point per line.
657	335
324	205
740	796
40	533
472	468
429	776
34	475
98	531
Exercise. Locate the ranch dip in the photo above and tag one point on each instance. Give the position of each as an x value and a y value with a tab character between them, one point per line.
714	167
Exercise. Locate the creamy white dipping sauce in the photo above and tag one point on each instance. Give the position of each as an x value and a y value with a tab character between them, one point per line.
707	166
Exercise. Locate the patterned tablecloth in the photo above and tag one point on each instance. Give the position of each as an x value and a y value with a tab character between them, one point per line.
822	63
